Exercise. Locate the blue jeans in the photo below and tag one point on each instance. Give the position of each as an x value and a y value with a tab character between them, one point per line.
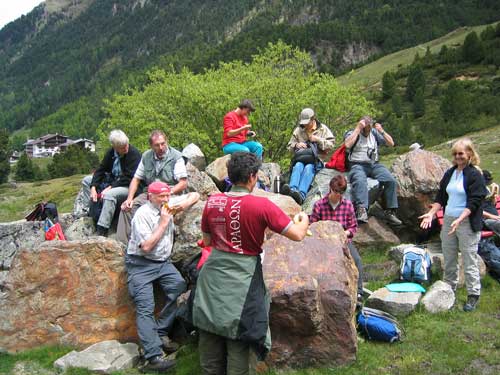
141	275
359	186
248	146
302	177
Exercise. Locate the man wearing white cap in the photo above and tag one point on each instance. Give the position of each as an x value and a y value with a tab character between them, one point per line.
311	144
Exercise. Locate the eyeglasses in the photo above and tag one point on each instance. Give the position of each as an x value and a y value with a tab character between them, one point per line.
458	153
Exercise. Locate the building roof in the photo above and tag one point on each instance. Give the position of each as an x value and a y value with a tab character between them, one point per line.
43	139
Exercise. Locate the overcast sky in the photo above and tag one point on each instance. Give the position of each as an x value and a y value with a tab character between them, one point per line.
13	9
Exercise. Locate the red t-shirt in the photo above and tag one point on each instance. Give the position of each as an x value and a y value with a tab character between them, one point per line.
236	223
234	121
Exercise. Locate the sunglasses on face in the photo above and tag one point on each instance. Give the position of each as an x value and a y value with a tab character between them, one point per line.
458	153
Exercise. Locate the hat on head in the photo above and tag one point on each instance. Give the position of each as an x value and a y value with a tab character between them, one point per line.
488	179
158	187
306	116
247	103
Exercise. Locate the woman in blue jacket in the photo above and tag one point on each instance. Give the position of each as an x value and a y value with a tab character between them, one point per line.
461	192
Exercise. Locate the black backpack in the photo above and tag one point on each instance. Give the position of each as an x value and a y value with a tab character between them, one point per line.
42	211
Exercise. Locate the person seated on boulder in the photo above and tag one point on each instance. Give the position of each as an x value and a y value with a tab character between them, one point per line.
491	219
148	261
231	305
362	146
236	131
335	207
111	179
311	143
160	163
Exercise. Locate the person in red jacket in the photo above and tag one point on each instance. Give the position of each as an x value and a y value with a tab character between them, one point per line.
237	129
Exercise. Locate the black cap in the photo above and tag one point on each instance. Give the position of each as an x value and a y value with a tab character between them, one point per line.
247	103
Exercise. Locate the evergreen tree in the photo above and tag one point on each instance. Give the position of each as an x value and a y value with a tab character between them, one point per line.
75	160
455	103
419	103
388	85
415	81
4	156
397	105
25	170
488	33
473	49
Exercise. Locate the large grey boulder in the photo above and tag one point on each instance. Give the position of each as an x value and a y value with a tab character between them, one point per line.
81	229
374	233
321	186
440	297
395	303
24	234
103	357
418	174
187	232
195	156
217	170
271	171
200	182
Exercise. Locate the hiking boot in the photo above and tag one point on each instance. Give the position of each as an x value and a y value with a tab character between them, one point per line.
285	189
101	231
471	304
169	346
390	216
361	214
297	197
158	364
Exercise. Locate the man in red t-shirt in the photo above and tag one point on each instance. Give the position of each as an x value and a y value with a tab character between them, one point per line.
236	130
231	305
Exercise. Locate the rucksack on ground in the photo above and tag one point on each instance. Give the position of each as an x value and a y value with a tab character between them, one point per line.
416	265
491	256
378	325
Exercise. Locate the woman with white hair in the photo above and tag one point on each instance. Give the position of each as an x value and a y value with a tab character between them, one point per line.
111	179
461	192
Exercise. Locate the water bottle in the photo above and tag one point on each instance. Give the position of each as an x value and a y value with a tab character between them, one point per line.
277	184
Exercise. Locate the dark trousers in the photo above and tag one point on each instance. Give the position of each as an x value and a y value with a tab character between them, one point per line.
223	356
141	275
357	260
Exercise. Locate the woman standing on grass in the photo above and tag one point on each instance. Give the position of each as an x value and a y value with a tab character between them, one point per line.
461	192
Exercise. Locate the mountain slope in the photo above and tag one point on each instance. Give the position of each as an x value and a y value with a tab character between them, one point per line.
77	52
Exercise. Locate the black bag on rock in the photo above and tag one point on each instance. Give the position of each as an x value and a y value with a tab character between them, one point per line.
307	155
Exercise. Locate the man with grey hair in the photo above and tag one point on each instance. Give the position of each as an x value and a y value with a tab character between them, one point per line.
160	163
111	179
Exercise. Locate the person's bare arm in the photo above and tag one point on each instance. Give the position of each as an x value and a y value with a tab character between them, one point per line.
191	198
132	189
487	215
387	137
427	218
234	132
349	141
158	232
180	186
298	230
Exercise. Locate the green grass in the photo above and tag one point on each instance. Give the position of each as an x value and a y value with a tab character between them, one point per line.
16	202
370	74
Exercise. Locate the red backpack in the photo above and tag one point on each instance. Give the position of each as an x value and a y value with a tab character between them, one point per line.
338	159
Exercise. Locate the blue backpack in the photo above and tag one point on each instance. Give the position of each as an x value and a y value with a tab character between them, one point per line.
416	265
378	325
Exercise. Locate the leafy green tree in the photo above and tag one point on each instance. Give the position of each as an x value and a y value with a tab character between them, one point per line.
488	33
189	107
26	170
75	160
419	103
388	85
5	151
473	49
415	81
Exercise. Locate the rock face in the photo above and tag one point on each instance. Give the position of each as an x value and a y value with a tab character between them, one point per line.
271	170
439	297
284	202
313	290
103	357
399	304
418	174
217	170
374	233
200	182
187	232
66	292
195	156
